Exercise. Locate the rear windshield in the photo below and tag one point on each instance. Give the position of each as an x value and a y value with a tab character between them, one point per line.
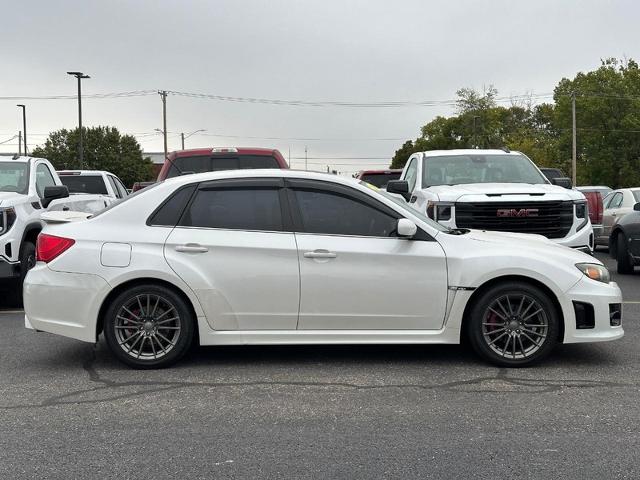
200	164
380	180
84	183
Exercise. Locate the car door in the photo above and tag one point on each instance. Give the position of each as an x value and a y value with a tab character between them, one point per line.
355	273
611	208
232	247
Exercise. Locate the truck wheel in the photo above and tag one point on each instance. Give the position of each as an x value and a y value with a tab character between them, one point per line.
625	265
513	324
27	262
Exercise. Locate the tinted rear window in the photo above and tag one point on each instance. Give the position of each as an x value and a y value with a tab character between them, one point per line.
84	184
235	208
380	180
200	164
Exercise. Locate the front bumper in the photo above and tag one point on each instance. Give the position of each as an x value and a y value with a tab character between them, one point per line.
63	303
600	296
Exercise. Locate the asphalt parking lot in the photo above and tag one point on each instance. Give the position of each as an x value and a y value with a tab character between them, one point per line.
68	409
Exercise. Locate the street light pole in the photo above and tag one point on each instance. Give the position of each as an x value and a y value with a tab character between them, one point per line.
163	95
573	139
80	76
24	126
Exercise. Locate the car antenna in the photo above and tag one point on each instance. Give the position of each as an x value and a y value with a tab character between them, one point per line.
505	149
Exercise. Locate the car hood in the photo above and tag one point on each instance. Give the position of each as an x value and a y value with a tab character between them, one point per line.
526	242
500	192
10	198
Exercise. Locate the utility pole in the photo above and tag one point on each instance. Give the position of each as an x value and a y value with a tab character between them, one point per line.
306	167
163	95
20	143
573	149
182	137
24	125
80	76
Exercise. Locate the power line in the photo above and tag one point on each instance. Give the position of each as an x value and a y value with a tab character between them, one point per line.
135	93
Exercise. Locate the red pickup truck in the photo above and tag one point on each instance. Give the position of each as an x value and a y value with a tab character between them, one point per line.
200	160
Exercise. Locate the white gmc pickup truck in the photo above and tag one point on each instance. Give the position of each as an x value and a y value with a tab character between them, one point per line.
494	190
29	187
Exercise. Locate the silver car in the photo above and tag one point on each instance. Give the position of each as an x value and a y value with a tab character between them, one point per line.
616	205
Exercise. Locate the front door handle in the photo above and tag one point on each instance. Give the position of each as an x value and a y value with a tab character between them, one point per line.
320	254
191	248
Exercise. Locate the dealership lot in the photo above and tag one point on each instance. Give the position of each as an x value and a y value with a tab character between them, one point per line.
69	409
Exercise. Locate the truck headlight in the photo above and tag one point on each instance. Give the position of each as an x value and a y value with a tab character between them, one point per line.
7	219
582	212
594	271
439	210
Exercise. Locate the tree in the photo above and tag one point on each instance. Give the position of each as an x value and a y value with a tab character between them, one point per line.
402	154
104	149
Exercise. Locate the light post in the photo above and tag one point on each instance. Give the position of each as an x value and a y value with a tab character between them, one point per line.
183	136
24	126
79	76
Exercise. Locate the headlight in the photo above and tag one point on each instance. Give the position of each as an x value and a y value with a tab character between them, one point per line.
7	219
594	271
438	210
582	212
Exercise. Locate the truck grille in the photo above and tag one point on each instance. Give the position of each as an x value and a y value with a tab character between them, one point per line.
553	219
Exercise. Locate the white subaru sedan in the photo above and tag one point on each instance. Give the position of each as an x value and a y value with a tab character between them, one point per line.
286	257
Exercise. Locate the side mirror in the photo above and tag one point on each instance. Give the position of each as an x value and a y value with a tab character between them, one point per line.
401	187
636	207
406	228
562	182
54	192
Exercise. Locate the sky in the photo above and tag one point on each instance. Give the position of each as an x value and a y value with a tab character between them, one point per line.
349	51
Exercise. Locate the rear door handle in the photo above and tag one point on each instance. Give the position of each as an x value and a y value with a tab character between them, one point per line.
191	248
320	254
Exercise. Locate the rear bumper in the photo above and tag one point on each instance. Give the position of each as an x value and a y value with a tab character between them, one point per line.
63	303
600	296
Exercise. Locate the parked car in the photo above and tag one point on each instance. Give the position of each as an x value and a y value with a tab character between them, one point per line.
617	204
140	185
28	187
94	181
624	242
594	198
290	257
379	178
495	190
215	159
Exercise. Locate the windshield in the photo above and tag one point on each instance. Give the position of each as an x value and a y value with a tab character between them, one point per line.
204	163
458	169
84	184
403	206
14	177
380	179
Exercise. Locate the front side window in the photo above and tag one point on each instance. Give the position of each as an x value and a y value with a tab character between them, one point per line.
479	168
114	187
14	177
616	201
327	212
235	208
84	184
43	179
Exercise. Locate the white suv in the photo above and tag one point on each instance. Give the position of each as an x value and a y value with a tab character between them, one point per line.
495	190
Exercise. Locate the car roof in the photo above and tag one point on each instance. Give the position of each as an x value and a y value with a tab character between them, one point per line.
263	173
468	151
208	151
21	159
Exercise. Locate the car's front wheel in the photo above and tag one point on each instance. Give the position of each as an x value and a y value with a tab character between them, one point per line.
149	326
625	265
513	324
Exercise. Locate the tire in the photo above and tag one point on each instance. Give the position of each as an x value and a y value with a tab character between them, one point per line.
513	324
625	265
149	326
27	262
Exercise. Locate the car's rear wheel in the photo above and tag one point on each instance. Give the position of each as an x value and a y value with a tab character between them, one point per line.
625	265
27	262
513	324
149	326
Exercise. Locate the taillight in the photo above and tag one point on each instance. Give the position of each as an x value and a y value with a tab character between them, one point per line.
49	247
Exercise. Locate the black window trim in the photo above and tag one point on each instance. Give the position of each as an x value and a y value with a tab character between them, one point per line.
293	184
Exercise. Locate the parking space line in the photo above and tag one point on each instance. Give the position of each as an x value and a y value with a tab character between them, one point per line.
632	301
11	311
